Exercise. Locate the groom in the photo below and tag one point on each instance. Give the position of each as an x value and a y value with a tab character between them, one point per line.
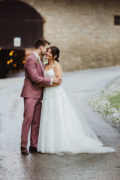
32	94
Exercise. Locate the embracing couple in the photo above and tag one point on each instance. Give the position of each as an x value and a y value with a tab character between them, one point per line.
55	126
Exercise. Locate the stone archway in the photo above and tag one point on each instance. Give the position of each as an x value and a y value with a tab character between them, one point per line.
20	24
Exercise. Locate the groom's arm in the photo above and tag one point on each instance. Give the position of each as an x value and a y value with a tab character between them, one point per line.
31	69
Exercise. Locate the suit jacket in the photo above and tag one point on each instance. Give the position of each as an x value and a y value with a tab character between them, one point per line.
34	74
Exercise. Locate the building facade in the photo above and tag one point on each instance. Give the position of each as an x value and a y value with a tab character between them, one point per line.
85	31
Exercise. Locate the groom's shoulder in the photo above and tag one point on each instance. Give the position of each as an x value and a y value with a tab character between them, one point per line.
30	57
29	60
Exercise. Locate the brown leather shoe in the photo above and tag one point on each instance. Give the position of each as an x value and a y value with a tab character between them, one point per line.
32	149
24	151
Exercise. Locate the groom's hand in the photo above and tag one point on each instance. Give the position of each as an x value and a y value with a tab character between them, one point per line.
57	80
39	85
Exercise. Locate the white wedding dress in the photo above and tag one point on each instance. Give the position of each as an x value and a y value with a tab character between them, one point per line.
61	130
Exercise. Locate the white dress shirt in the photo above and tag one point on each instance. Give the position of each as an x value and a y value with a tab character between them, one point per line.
42	65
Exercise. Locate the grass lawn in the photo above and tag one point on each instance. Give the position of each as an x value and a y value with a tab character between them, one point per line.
107	104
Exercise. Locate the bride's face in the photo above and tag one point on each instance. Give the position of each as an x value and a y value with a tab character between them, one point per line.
49	55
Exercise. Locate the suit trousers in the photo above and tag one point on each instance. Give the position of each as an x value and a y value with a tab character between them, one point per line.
32	113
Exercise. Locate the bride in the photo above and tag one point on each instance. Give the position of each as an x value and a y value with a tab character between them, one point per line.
61	130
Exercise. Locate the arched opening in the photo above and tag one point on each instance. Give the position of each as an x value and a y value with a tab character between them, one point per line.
20	24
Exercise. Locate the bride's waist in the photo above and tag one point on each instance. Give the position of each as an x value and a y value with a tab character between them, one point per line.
53	93
53	89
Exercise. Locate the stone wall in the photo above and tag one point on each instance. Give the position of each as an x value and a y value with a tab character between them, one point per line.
83	30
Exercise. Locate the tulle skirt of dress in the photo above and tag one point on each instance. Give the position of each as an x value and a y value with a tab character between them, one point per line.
61	130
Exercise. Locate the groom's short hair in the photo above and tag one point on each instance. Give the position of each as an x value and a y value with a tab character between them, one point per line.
41	42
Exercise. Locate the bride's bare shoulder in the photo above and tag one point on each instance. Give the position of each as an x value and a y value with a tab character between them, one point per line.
57	65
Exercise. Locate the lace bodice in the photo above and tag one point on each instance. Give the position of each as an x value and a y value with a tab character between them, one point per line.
49	73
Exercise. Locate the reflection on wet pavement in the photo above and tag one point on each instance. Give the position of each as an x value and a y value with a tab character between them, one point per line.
100	167
14	166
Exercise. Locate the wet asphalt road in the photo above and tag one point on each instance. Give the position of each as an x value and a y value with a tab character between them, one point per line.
14	166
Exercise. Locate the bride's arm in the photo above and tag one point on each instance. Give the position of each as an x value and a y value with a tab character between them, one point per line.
58	70
58	73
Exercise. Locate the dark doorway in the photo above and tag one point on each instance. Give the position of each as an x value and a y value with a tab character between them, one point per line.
11	60
20	24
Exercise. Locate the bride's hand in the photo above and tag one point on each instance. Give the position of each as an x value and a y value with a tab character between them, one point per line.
57	80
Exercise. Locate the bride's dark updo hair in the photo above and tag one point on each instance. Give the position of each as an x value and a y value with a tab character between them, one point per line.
55	52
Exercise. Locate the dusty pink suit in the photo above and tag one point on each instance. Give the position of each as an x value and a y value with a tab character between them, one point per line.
34	73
